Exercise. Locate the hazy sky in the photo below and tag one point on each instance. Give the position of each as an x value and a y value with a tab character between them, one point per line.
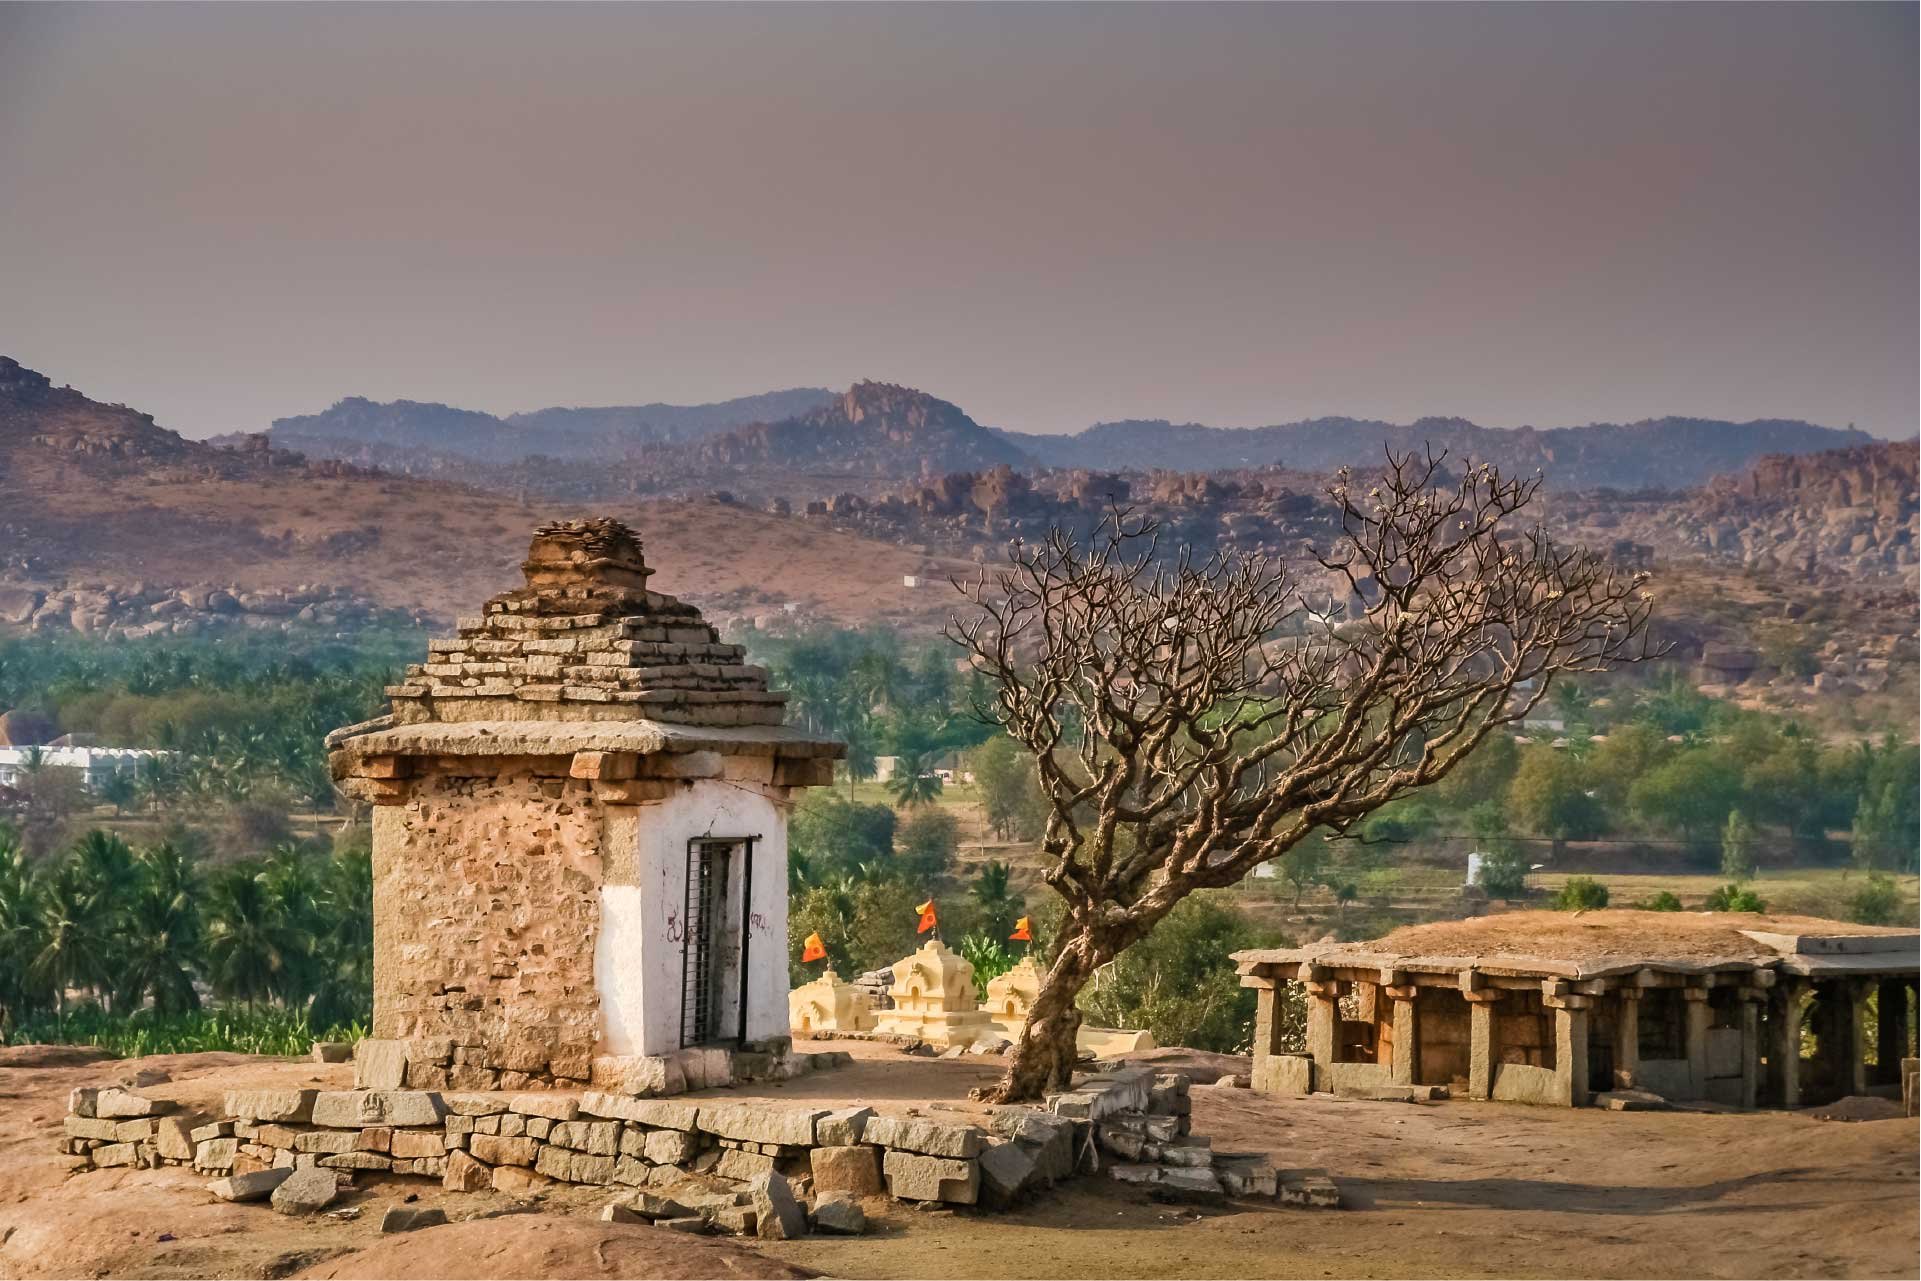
1048	214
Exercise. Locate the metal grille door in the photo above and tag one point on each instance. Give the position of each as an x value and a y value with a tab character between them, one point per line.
705	923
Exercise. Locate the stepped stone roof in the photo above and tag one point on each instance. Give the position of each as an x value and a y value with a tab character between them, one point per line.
585	640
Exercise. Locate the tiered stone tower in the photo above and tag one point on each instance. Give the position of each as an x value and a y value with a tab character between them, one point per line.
580	838
586	640
933	995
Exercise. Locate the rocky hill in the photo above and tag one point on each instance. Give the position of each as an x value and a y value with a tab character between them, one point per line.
1666	453
873	429
111	524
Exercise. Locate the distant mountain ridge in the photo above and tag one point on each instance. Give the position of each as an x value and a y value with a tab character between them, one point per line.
1657	453
364	430
882	430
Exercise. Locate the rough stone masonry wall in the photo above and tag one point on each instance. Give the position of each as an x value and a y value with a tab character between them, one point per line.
489	888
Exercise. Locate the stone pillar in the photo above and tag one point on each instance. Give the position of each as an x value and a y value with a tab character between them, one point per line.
1570	1049
1267	1020
1787	1045
1406	1047
1855	1072
1482	1051
1323	1023
1698	1016
1751	999
1891	1037
1627	1038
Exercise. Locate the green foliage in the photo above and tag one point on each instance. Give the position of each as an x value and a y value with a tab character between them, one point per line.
865	924
1504	874
1179	982
1665	901
990	955
1581	894
146	932
1400	822
1484	776
1547	796
926	845
1009	789
268	1030
1737	848
1887	821
1306	863
1880	902
1690	794
832	835
1733	898
994	899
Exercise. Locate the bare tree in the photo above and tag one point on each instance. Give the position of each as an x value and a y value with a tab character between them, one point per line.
1192	718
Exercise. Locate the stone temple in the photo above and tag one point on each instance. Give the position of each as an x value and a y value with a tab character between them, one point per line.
579	839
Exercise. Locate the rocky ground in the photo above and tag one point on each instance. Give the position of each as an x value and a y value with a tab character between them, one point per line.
1449	1189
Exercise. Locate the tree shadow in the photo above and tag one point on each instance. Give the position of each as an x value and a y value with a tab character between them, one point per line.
1551	1197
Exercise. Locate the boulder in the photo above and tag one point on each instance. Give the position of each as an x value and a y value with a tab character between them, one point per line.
306	1191
122	1104
257	1186
778	1216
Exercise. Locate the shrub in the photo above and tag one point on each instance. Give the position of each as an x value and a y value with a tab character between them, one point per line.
1179	982
1879	902
1581	894
1662	902
1732	898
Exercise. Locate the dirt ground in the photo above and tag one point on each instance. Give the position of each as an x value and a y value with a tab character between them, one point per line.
1448	1189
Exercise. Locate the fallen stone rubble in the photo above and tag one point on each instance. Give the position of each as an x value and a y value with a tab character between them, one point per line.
741	1168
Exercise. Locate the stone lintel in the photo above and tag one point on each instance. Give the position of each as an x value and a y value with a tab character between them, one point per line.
1259	982
1693	993
1567	1002
638	791
1484	995
1323	991
1402	992
383	767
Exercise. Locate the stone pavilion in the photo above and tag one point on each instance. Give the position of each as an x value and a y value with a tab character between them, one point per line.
580	838
1557	1007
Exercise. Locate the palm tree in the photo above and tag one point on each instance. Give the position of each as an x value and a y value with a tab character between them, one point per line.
76	931
250	946
20	931
913	782
162	938
343	943
992	892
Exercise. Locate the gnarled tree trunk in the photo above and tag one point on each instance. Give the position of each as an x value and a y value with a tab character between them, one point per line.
1043	1058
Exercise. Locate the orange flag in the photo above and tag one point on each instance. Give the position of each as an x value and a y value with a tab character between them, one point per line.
927	920
813	949
1023	931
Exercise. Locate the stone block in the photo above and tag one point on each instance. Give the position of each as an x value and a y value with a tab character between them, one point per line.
306	1191
412	1144
1191	1152
659	1113
912	1177
173	1140
1246	1175
354	1109
212	1130
706	1068
332	1052
122	1104
733	1220
380	1064
499	1150
842	1127
669	1147
122	1154
474	1104
839	1216
792	1127
409	1218
1006	1174
88	1127
375	1138
538	1127
257	1186
853	1169
465	1174
929	1138
741	1165
777	1215
602	1138
615	1212
695	1226
574	1167
514	1181
555	1107
212	1154
357	1161
1189	1183
326	1142
80	1100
